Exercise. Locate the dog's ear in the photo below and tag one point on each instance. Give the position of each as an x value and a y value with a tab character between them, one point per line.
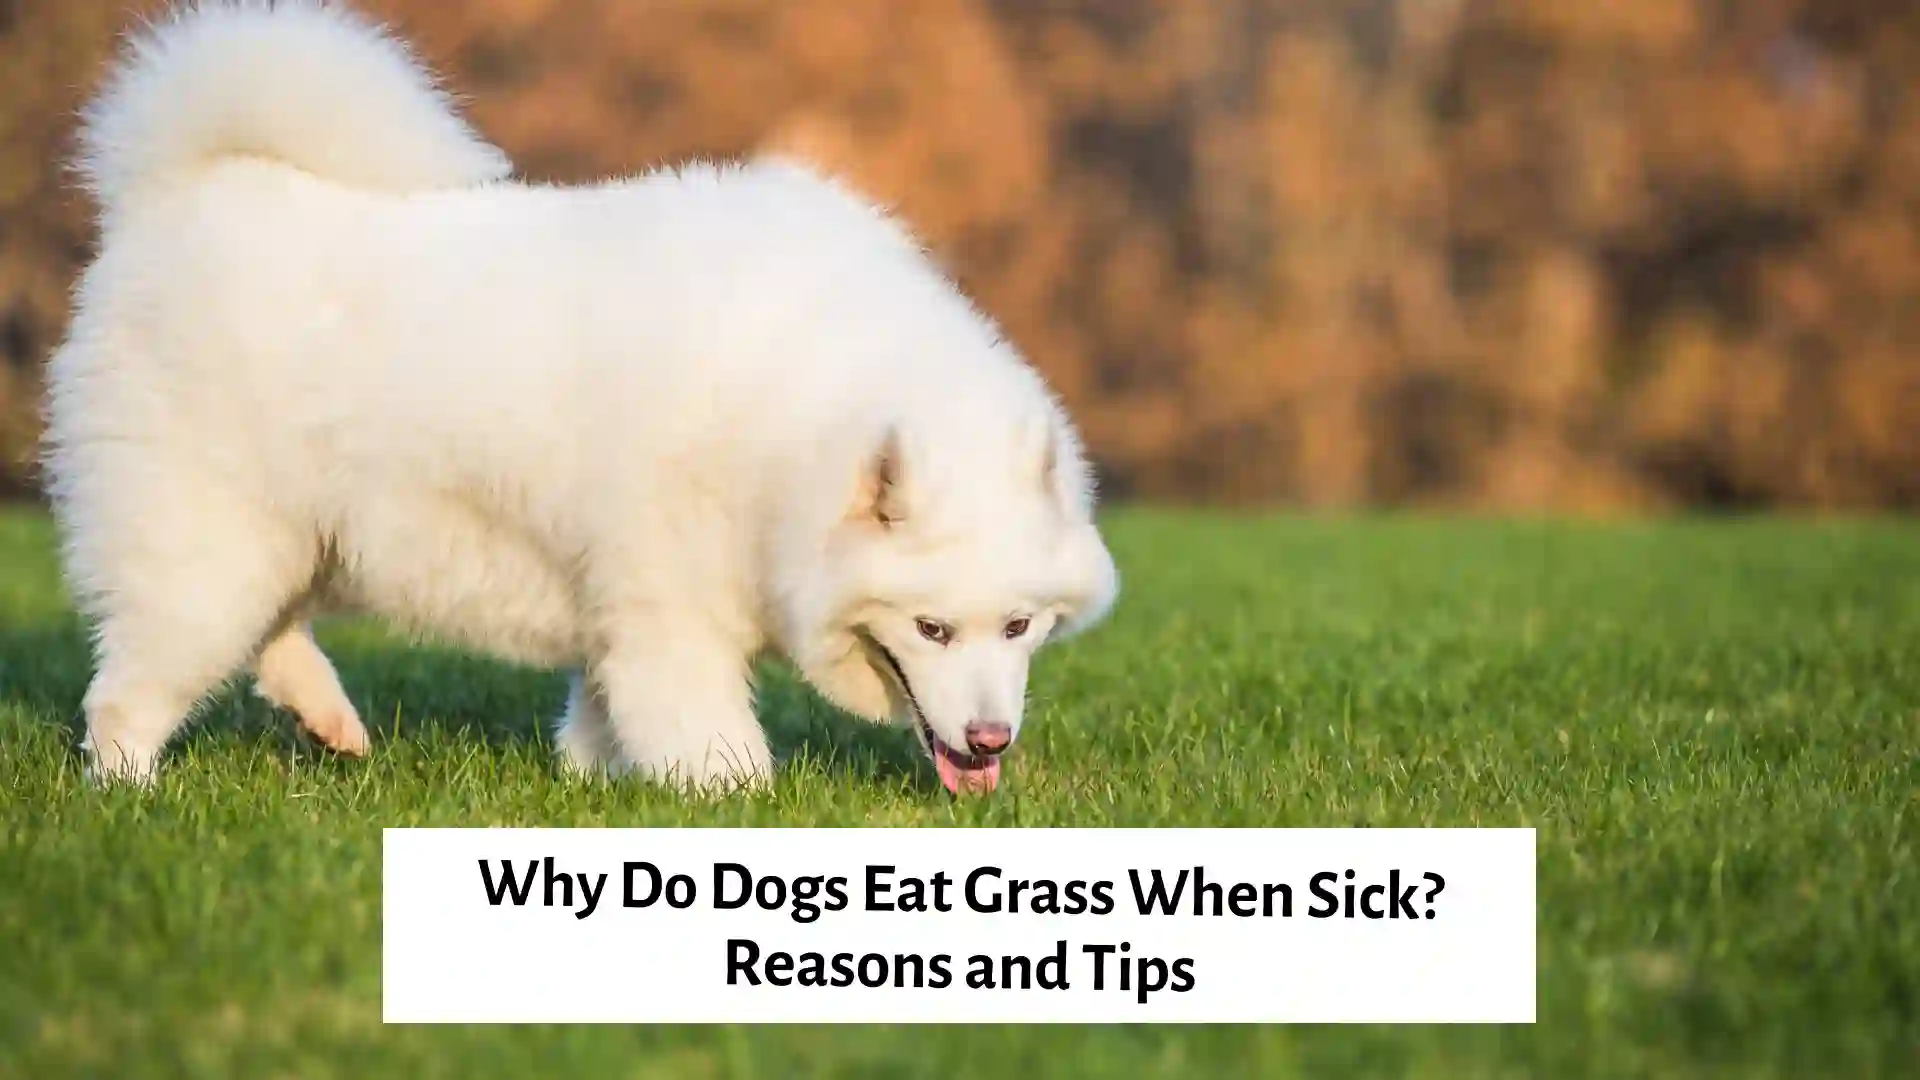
882	493
1050	461
1062	473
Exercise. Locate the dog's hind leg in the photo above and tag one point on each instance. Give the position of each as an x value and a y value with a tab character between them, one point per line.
294	674
183	583
584	739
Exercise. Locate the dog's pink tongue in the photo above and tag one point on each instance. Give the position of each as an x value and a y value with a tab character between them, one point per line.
961	777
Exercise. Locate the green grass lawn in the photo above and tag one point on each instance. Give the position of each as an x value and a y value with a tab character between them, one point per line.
1713	727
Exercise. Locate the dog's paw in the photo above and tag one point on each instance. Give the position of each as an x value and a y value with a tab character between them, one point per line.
588	759
585	750
722	769
118	762
339	730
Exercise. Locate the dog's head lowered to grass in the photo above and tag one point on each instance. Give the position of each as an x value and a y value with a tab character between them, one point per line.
966	543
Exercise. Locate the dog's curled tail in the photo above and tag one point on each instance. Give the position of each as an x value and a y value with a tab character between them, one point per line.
301	82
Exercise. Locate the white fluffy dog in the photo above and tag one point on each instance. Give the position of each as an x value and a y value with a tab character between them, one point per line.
330	356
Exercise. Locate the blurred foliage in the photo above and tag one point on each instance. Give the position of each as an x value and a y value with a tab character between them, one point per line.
1514	254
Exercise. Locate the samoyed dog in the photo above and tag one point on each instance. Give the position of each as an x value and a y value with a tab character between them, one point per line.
330	356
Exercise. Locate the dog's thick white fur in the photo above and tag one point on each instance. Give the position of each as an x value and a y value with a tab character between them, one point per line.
330	356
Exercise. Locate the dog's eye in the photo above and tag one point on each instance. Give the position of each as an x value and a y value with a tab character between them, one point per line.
1018	627
937	632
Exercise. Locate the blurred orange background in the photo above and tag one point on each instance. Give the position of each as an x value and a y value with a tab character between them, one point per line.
1503	255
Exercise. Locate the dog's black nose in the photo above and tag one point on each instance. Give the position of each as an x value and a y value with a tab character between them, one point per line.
986	740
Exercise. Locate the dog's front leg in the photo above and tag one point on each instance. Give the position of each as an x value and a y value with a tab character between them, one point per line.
681	710
583	740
